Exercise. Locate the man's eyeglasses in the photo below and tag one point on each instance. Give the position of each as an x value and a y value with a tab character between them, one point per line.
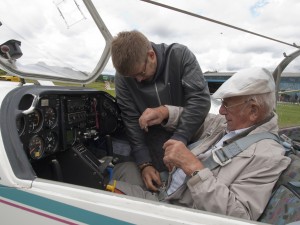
141	74
226	106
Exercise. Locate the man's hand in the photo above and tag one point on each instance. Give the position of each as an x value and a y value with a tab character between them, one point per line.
151	178
177	154
153	116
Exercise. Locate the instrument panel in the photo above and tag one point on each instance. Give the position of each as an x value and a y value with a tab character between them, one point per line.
53	122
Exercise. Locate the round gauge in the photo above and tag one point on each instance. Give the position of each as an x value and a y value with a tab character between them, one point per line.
20	125
36	147
51	142
50	117
34	121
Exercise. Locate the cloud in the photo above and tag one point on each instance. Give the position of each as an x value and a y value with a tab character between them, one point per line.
219	47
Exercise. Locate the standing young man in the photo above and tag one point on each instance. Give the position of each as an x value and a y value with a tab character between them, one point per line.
151	75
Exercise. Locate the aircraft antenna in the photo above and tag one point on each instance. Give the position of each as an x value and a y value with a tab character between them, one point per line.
218	22
71	17
62	16
79	9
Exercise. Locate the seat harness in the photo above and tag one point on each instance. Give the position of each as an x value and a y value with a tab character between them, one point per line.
223	155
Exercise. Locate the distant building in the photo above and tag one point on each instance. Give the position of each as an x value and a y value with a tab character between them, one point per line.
106	77
288	81
216	79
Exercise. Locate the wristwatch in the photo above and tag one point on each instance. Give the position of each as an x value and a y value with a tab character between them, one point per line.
195	173
144	165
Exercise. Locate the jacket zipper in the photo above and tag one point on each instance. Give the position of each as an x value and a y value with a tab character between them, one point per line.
170	96
157	95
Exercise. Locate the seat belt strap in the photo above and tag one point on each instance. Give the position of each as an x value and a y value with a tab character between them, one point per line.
223	155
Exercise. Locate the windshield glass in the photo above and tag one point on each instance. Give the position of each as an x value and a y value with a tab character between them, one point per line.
59	39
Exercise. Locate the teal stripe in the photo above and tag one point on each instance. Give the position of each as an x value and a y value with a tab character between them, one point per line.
57	208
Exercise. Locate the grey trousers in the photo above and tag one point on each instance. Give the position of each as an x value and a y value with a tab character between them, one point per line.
130	182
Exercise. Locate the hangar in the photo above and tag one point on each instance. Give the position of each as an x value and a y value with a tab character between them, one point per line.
290	81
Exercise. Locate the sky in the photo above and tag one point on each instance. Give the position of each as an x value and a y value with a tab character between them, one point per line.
217	48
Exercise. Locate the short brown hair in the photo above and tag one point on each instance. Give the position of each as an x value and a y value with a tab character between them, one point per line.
128	50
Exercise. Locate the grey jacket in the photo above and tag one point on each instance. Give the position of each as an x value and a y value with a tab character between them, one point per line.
178	81
243	187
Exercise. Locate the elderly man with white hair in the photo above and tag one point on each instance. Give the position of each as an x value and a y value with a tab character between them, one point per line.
238	181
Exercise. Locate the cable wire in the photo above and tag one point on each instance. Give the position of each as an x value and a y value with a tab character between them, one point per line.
218	22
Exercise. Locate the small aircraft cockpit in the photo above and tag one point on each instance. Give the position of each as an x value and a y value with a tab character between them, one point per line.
65	133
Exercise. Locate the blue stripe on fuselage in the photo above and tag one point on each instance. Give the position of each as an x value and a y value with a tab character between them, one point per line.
58	208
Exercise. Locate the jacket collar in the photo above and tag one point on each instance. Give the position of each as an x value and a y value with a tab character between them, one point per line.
269	124
159	50
264	125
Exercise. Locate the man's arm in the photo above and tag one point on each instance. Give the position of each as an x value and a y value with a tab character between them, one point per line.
165	115
130	115
245	198
140	151
196	97
241	188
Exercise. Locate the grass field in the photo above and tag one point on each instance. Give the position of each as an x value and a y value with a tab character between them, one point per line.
289	114
95	85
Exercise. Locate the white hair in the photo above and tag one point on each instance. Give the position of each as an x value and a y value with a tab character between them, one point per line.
266	101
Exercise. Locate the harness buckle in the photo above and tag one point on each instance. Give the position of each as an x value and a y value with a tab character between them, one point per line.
219	157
